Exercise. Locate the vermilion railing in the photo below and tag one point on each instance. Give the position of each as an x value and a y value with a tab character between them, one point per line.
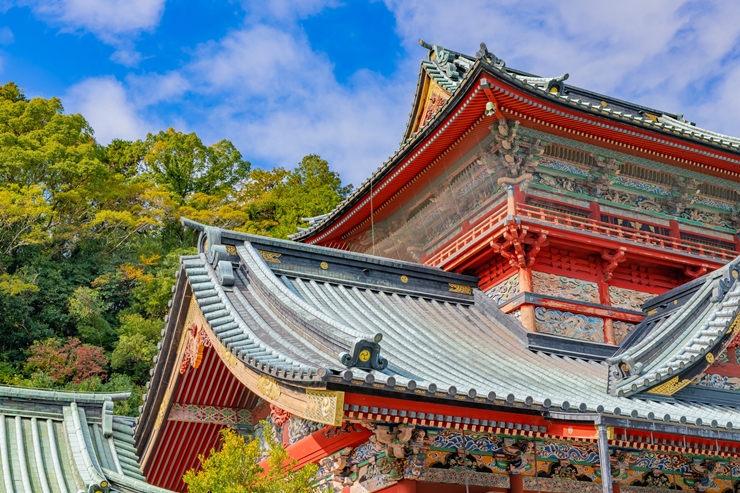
496	215
560	219
621	233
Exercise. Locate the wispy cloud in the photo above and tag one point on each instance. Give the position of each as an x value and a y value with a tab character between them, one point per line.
114	22
6	36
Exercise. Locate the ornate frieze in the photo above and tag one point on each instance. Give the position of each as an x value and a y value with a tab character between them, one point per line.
481	459
299	428
642	185
210	414
559	198
628	298
565	287
504	290
324	406
568	324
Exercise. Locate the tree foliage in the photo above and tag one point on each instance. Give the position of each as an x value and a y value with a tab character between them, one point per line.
90	237
235	468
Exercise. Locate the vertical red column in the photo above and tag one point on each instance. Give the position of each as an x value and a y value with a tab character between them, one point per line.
516	483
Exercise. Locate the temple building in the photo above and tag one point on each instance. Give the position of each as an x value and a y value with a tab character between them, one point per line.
537	292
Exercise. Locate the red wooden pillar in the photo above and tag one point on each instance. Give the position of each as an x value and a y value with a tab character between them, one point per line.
526	286
605	299
615	487
516	483
595	211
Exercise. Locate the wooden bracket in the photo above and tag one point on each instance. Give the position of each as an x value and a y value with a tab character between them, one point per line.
613	259
694	272
520	246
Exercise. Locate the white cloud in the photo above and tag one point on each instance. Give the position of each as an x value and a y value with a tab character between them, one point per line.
6	36
105	105
106	19
115	22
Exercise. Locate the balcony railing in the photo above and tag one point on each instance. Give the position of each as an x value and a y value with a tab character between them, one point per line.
551	218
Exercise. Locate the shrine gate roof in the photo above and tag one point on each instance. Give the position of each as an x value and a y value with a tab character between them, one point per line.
308	315
59	442
458	74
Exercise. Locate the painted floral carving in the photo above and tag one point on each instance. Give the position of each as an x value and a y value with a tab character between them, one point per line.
628	298
565	287
568	324
504	290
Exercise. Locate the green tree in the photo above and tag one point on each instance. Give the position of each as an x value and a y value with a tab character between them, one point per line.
235	468
278	200
184	165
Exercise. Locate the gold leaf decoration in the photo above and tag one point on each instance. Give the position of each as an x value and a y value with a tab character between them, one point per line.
404	279
268	387
230	249
710	358
460	288
735	326
324	265
270	256
324	406
669	387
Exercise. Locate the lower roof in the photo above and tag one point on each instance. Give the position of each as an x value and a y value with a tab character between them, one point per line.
62	442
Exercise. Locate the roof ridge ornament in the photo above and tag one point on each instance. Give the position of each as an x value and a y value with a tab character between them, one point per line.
484	54
723	284
365	354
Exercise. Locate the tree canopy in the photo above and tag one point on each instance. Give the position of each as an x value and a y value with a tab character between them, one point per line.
236	469
90	237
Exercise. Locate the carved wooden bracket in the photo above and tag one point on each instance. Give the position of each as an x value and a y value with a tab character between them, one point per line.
279	416
520	246
613	259
694	272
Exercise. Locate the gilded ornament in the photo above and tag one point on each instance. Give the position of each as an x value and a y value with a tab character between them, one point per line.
404	279
324	265
670	387
324	406
273	257
710	358
364	356
735	326
268	387
460	288
230	249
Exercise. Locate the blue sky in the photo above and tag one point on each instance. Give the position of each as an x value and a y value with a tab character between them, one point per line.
286	78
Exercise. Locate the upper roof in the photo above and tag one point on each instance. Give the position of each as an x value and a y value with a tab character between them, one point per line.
454	72
304	314
685	330
62	442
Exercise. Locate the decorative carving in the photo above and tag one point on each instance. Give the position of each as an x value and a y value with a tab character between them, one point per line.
278	416
270	256
404	279
198	340
567	324
324	406
519	246
504	290
231	249
565	287
210	414
299	428
628	298
324	265
669	387
268	387
621	330
460	288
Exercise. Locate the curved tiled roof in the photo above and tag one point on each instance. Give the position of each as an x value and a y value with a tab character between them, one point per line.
61	442
685	328
292	317
672	124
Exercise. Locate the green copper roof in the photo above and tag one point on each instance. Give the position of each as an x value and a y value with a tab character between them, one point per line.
60	442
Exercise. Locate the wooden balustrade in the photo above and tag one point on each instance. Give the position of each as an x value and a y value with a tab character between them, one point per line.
526	212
